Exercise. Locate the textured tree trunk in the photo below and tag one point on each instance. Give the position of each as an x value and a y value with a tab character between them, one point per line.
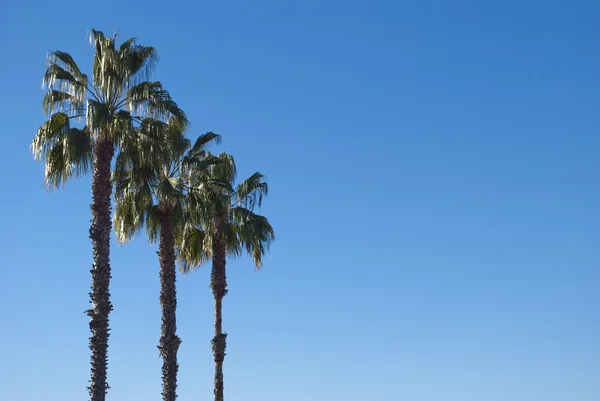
169	342
100	296
218	284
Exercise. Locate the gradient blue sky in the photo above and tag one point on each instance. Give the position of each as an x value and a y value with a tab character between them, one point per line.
434	171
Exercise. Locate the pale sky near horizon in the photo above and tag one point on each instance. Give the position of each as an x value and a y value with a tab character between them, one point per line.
434	185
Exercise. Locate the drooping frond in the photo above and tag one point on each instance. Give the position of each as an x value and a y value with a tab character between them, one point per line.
67	151
226	170
194	247
176	142
144	146
149	98
251	191
136	62
153	224
254	233
47	135
57	101
130	213
168	189
58	79
99	116
131	175
69	64
202	142
198	170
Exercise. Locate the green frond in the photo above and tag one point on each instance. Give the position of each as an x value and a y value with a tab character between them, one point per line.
169	189
199	170
132	172
127	219
150	144
202	141
55	73
254	233
57	101
126	45
100	117
122	126
69	63
56	78
149	98
121	177
68	157
131	211
66	151
105	70
48	133
153	224
177	143
225	170
136	62
251	191
193	249
96	38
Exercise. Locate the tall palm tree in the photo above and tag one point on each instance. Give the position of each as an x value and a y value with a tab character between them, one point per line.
118	100
152	192
229	228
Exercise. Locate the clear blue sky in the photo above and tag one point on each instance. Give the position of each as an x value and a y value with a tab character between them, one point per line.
434	170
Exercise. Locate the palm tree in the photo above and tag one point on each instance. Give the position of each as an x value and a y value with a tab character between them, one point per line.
151	192
118	100
229	228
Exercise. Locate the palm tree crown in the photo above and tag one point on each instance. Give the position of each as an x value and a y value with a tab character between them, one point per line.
118	102
231	208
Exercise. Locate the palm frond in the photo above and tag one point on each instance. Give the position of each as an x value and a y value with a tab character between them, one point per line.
149	98
105	72
69	156
99	115
225	170
136	62
254	233
193	249
250	192
57	101
131	211
153	224
69	64
203	140
168	188
57	78
177	143
199	169
48	133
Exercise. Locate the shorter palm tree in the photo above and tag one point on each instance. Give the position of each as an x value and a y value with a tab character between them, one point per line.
228	227
150	192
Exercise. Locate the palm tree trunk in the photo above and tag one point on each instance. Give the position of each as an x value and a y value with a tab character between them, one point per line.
218	284
169	342
100	296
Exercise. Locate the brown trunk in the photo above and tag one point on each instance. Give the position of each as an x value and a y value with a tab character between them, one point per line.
100	296
218	284
169	342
